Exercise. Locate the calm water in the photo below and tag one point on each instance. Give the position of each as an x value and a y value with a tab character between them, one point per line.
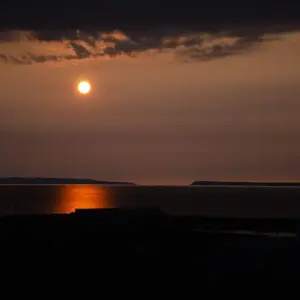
200	200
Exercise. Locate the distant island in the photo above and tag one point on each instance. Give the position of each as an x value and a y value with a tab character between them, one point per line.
244	183
42	180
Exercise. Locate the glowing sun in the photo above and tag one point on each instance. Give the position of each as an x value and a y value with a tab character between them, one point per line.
84	87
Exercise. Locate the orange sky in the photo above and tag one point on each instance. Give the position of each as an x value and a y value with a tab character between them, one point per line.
153	118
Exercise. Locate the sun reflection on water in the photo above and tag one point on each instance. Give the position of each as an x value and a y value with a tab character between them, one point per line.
73	197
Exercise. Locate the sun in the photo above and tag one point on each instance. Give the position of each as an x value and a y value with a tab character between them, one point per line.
84	87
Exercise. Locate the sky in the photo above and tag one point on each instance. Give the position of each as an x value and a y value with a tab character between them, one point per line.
166	107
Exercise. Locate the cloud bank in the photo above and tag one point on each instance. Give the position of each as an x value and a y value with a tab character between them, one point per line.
28	47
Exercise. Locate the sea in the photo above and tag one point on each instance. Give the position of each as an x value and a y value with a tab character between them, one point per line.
228	201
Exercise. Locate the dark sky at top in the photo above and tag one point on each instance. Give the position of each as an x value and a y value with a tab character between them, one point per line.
139	15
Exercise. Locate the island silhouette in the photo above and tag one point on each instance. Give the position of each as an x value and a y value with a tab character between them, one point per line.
50	180
246	183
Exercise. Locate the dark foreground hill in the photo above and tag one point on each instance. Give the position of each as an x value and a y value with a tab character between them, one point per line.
42	180
149	250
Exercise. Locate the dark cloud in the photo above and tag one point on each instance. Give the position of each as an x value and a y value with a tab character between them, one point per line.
109	15
27	47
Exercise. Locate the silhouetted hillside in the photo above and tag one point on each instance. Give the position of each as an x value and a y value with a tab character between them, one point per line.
145	248
245	183
42	180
